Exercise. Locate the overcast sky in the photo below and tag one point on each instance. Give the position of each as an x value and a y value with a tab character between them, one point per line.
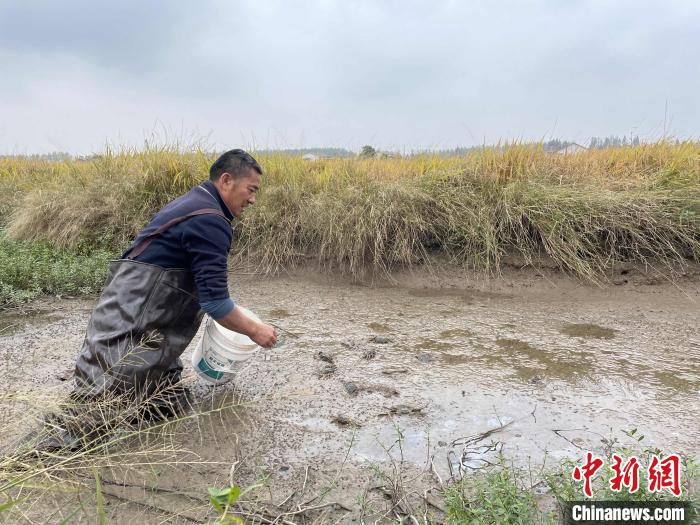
78	74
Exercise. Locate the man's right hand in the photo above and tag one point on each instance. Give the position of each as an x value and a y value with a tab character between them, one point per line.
265	335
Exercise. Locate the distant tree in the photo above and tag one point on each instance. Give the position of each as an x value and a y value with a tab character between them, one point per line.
613	141
555	145
324	153
368	152
53	156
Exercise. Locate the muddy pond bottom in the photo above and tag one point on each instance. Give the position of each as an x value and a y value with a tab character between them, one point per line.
367	374
559	368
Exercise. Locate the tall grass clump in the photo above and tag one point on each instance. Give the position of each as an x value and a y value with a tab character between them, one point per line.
101	202
585	211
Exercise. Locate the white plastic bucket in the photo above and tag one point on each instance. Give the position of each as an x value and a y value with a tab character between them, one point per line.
220	350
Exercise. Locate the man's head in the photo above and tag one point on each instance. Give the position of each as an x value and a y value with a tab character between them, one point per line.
237	175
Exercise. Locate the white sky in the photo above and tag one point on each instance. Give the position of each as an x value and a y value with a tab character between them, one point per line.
77	74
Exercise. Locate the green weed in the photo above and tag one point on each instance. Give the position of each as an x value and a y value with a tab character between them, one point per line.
100	499
495	496
29	269
221	500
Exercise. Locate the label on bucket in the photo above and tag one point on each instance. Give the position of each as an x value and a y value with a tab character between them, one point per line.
205	368
214	360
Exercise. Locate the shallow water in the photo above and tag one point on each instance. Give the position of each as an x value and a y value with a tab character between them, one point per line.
588	330
464	361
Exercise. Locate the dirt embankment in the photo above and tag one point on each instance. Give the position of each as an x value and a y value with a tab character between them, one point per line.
432	358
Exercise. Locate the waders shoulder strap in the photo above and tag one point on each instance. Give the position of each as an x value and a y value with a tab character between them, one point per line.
141	246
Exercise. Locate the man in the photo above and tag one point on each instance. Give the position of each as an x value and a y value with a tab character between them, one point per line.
152	303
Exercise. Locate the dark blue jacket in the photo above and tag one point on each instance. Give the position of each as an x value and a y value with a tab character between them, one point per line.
200	244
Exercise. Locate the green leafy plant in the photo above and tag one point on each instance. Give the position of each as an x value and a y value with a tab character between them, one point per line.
30	269
7	505
495	496
223	499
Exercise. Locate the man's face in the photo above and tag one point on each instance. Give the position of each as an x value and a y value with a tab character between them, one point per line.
239	193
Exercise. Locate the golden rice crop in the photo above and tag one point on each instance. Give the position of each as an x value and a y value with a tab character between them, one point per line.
585	211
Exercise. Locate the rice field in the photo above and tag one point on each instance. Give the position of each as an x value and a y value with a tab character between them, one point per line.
586	211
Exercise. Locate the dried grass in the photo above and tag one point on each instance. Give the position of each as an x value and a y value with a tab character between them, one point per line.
585	211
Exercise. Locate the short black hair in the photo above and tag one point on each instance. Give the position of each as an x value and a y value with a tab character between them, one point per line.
236	162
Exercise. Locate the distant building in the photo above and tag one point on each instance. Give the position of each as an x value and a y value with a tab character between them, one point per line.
571	149
388	155
310	157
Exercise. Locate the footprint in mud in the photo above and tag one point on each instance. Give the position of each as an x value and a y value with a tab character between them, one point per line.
279	313
588	330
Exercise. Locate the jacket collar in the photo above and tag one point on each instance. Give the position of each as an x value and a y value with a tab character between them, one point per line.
210	188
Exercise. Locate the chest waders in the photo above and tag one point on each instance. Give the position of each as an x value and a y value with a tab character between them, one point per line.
144	319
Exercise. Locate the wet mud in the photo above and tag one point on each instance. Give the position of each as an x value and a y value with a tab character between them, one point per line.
430	358
18	319
588	330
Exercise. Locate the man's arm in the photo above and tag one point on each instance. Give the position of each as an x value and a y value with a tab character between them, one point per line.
207	239
261	333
